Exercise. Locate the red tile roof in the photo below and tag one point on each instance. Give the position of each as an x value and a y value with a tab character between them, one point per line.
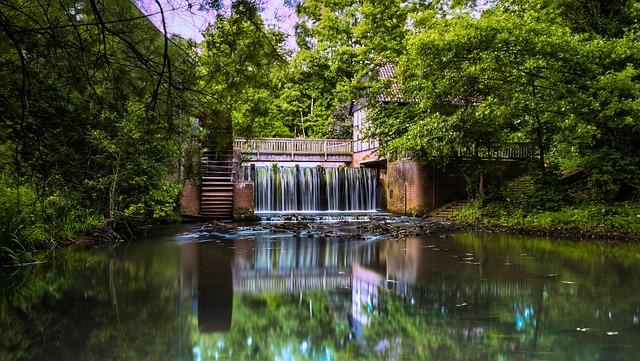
387	71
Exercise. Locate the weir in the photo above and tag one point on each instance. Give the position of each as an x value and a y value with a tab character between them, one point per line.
313	189
289	175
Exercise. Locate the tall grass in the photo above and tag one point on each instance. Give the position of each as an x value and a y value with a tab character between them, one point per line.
15	241
28	224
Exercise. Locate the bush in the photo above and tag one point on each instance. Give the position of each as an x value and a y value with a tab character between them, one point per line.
547	194
589	217
613	176
160	204
27	224
64	219
15	221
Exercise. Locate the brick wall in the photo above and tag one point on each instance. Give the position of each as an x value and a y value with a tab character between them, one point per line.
190	199
405	191
368	155
242	199
417	189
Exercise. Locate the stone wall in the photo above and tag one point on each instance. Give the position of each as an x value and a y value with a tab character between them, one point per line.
190	199
243	200
412	188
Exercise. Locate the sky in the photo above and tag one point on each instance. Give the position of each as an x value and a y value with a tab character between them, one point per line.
184	18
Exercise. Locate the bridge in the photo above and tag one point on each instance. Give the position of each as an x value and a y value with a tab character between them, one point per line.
303	150
295	150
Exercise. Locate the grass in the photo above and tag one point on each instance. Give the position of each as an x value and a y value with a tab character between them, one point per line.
615	218
27	225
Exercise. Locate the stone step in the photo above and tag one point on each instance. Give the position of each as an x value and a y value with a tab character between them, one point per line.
208	191
220	184
210	209
217	201
224	177
216	167
448	210
218	217
215	192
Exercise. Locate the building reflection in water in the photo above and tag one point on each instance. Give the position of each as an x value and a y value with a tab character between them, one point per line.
206	279
212	272
210	276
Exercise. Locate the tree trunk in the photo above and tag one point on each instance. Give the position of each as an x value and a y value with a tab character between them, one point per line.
539	130
540	136
302	123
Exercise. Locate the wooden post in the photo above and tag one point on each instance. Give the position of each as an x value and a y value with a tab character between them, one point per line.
325	150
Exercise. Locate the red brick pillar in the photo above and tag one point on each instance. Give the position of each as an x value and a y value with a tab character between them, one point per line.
243	200
408	187
190	199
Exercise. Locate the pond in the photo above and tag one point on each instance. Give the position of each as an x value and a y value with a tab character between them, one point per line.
256	294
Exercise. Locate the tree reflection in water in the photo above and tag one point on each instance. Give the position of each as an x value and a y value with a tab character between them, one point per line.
459	298
279	297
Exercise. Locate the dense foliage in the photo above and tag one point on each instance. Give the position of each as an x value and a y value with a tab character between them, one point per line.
97	106
93	115
268	89
561	75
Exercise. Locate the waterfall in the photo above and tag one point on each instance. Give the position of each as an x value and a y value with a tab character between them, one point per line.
294	189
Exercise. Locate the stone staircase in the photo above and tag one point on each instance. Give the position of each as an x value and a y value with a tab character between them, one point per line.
517	187
444	213
216	193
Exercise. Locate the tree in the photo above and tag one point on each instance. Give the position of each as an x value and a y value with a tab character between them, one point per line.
511	74
73	71
239	57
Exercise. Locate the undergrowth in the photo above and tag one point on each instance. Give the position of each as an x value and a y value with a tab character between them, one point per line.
621	217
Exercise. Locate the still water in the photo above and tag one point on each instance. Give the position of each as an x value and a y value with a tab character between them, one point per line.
188	294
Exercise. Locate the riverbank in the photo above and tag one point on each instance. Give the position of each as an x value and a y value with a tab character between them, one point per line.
619	222
588	223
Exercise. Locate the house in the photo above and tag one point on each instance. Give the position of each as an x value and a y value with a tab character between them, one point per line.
408	186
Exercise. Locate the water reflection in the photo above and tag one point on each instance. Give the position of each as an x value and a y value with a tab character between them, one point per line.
206	279
448	298
256	295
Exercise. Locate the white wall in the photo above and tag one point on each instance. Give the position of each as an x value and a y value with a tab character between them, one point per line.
359	126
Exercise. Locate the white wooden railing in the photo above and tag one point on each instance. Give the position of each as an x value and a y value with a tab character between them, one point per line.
512	151
294	146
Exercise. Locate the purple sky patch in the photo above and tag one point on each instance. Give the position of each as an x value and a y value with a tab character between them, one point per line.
187	19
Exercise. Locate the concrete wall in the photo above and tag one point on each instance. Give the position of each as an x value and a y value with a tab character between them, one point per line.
243	200
412	188
190	199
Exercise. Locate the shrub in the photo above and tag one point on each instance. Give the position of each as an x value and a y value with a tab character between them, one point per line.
15	239
547	194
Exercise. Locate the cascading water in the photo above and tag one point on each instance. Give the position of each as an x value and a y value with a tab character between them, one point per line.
292	189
